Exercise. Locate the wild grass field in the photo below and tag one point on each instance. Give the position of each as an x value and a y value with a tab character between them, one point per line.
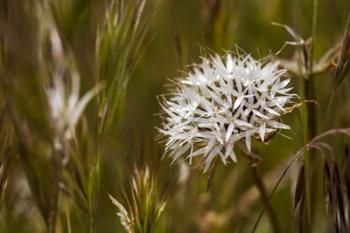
174	116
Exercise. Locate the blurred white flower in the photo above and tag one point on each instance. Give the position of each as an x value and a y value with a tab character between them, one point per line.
67	108
221	102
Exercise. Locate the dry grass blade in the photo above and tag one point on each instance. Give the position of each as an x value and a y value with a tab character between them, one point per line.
339	200
346	169
7	149
343	64
299	199
334	200
301	66
346	177
327	192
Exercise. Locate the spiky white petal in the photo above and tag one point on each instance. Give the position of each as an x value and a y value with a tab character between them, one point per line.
221	102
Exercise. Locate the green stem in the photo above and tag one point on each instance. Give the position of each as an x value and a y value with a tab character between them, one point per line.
265	197
311	118
253	159
311	131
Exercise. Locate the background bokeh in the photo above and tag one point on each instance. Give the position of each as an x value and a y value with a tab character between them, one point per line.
180	32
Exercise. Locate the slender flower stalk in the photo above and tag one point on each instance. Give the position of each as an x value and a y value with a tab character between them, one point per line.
221	102
264	196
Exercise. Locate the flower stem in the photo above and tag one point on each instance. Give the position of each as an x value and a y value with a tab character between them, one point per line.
265	197
309	155
254	159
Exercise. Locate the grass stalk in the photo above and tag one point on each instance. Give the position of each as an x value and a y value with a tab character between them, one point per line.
311	132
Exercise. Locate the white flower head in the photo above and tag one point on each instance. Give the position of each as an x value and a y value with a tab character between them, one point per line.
223	101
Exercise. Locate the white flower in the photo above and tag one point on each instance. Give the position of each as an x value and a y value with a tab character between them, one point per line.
222	102
66	108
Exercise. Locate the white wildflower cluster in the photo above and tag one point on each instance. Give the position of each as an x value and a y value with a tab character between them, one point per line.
221	102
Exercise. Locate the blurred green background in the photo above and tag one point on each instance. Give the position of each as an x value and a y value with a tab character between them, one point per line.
180	32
